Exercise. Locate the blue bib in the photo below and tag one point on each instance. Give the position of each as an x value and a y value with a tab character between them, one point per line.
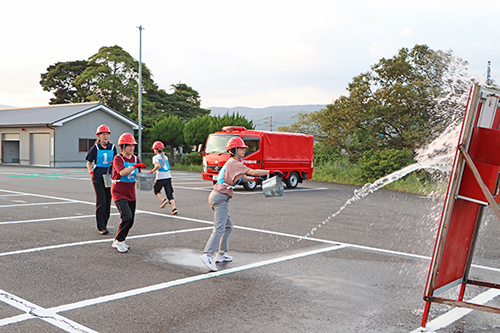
130	178
220	177
164	168
104	157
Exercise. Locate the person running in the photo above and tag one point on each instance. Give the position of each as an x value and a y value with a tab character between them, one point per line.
123	187
102	154
163	176
232	173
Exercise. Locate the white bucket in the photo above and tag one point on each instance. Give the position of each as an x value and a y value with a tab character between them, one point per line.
145	181
107	179
273	187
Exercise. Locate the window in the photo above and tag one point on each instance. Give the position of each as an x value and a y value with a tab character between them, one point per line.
252	143
85	144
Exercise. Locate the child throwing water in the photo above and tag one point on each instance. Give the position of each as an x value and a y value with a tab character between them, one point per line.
163	177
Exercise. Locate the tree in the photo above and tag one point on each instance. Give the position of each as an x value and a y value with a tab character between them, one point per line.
111	77
59	80
404	102
170	131
307	123
234	119
184	102
197	130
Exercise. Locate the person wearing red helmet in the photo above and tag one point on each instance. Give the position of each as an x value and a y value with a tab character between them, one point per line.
163	176
125	166
232	173
101	155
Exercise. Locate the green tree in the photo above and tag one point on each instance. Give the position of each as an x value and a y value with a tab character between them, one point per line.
59	80
111	77
396	105
197	130
234	119
307	123
170	131
183	102
402	103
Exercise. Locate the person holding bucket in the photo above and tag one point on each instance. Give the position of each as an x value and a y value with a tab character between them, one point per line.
102	154
232	173
163	176
125	166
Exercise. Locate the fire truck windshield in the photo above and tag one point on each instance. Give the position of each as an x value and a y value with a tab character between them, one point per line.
216	143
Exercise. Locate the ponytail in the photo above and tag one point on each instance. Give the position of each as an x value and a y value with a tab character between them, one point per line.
163	158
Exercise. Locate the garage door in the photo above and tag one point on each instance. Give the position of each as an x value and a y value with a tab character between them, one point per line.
40	149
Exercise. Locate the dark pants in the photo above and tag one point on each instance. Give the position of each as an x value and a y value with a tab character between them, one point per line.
165	183
102	205
127	213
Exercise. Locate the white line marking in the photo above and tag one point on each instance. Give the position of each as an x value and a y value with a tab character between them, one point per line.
59	246
53	219
35	311
164	285
37	204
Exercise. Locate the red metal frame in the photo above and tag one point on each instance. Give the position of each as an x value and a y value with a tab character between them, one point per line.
473	185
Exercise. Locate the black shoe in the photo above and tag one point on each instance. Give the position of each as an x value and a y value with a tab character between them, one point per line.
104	232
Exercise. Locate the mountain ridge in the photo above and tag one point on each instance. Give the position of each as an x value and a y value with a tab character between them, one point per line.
270	117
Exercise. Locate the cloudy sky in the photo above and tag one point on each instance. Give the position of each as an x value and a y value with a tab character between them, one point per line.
242	53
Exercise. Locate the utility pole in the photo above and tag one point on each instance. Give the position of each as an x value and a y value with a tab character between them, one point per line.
270	118
139	114
488	74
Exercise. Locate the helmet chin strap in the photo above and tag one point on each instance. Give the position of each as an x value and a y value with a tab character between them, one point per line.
235	153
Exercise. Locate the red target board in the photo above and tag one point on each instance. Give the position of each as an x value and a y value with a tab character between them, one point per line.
473	185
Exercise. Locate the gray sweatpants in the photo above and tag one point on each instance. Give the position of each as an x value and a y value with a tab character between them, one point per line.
223	225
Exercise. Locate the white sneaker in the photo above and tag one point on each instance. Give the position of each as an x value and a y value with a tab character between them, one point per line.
208	260
120	246
222	256
115	242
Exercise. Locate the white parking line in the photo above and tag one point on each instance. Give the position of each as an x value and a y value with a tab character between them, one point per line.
109	240
37	204
52	317
134	292
35	311
53	219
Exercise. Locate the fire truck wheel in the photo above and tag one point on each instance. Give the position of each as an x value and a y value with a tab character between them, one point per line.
293	180
250	186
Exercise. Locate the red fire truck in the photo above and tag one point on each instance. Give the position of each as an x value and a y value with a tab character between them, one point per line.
291	153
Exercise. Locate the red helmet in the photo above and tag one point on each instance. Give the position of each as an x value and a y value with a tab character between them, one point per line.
158	145
126	139
102	129
235	142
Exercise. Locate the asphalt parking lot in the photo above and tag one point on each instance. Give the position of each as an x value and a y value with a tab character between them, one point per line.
362	271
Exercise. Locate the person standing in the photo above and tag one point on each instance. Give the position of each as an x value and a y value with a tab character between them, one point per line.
125	166
163	177
101	154
232	173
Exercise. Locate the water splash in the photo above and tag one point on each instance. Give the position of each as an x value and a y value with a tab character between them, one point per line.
437	163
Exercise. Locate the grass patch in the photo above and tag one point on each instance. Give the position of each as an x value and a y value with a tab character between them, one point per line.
343	172
190	167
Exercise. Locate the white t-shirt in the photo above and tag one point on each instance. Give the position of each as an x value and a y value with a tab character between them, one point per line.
164	171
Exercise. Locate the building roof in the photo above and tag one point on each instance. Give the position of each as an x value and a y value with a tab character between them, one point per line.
55	115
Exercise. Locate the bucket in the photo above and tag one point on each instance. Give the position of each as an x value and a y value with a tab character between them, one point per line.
273	187
145	181
107	179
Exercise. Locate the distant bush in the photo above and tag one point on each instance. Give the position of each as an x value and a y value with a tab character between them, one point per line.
376	164
192	159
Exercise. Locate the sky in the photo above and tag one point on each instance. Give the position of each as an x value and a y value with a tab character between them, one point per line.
241	53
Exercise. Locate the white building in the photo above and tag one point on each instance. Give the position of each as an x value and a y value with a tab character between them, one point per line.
57	135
